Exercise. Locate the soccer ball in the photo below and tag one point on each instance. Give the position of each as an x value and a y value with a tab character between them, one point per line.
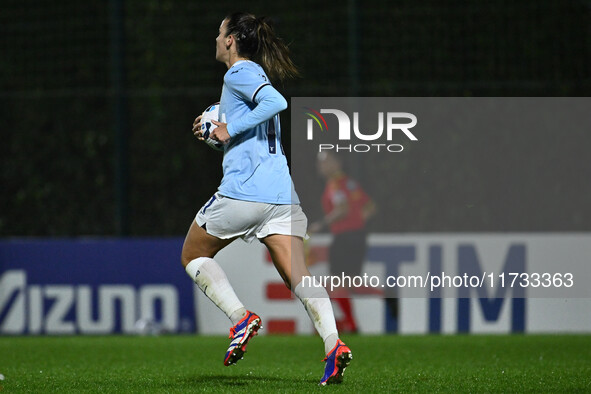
211	113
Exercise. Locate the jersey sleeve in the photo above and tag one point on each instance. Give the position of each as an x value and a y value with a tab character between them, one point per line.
269	103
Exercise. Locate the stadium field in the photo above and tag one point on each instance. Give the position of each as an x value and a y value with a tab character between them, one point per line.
475	363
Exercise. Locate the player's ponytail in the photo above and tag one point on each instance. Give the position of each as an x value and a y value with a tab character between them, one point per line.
273	53
257	40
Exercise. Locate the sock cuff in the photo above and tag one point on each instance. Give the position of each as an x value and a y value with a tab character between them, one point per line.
310	287
193	267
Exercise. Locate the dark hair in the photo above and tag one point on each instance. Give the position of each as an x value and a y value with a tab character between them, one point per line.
256	40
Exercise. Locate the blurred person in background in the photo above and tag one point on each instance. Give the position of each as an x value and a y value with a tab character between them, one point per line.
347	208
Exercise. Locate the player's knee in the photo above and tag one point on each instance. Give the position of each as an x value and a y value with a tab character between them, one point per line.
190	253
185	258
185	261
194	250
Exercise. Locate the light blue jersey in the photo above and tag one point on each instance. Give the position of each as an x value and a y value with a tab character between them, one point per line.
255	167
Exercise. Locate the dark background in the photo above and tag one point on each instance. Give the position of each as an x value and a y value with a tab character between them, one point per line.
500	164
97	99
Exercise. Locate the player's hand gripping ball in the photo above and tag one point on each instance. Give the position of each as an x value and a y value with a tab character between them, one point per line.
211	113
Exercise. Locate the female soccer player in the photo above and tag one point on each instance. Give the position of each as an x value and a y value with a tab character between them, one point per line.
256	197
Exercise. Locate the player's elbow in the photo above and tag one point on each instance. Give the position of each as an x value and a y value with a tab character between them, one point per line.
270	98
281	103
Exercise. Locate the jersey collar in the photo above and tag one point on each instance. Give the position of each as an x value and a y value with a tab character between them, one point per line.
238	62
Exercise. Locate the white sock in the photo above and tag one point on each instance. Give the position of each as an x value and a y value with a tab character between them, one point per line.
319	308
212	280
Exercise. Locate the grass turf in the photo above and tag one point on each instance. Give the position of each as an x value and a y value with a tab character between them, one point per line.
477	363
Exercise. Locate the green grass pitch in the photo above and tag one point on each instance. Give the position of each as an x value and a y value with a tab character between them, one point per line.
470	363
